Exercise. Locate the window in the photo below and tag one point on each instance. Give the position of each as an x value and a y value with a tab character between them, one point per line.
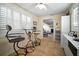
13	18
23	21
75	21
29	23
9	17
26	22
2	17
16	20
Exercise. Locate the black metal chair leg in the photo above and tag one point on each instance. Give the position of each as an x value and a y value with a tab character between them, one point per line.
14	46
26	52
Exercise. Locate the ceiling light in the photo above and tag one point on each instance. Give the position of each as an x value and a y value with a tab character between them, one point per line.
41	6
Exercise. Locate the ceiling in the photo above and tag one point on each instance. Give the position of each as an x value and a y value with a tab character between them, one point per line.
52	8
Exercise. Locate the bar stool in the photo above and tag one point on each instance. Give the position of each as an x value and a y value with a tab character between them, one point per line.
30	43
15	40
37	41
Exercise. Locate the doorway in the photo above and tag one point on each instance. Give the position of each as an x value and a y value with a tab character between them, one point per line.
49	28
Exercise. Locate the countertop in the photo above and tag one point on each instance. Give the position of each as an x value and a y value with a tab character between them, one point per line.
71	39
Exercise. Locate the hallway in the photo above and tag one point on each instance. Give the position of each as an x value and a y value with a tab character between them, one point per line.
48	47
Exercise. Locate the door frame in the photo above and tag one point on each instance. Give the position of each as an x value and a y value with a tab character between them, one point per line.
54	24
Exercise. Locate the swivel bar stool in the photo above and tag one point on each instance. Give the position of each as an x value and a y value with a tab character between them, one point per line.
37	41
30	43
15	40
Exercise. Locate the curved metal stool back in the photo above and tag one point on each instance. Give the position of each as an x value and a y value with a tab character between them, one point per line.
15	40
9	28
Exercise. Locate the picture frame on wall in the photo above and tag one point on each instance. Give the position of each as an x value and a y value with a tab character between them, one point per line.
34	23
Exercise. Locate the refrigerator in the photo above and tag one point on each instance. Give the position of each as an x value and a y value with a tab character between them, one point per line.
65	27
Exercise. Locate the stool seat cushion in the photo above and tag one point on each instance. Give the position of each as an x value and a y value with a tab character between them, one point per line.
16	39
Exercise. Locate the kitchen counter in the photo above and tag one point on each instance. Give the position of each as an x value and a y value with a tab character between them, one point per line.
71	47
71	39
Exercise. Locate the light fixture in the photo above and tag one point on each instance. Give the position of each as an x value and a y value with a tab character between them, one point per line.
41	6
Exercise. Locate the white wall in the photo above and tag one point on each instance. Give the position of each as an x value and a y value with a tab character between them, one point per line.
40	27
